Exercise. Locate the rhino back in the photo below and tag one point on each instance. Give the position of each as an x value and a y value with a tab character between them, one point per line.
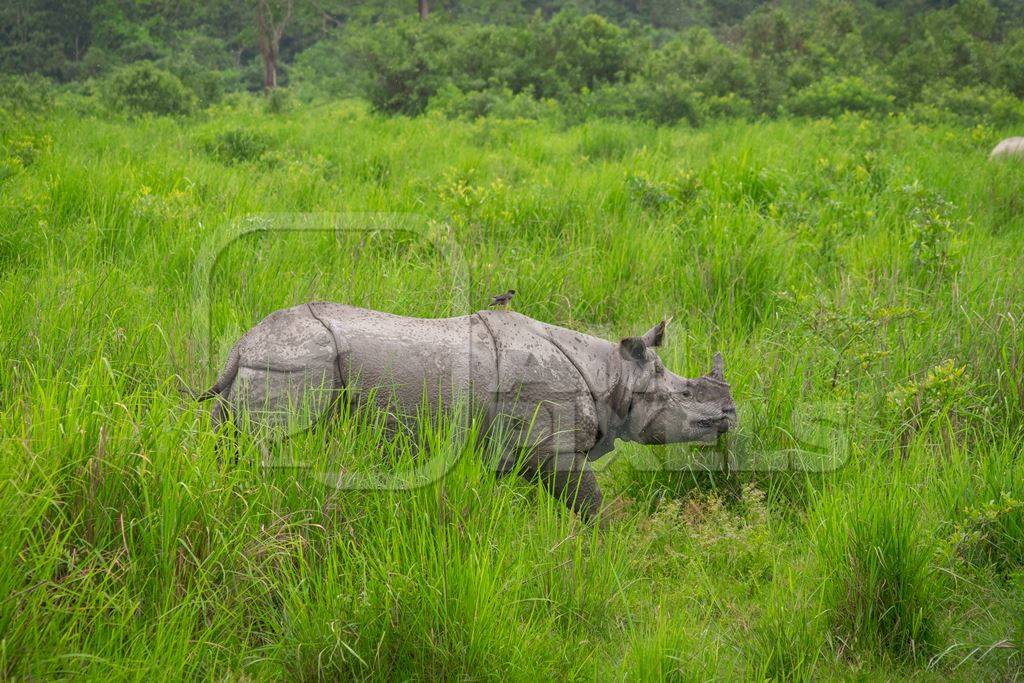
406	360
1009	147
505	363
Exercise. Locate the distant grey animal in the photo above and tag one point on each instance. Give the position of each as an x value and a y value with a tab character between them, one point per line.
503	300
1010	147
567	396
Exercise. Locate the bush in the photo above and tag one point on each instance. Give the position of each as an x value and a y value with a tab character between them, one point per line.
1010	75
400	67
944	102
145	89
984	494
325	69
729	106
500	103
25	94
609	102
832	96
238	145
278	101
647	192
712	69
404	64
665	102
588	51
204	66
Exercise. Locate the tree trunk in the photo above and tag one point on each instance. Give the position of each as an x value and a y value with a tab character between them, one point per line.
269	73
424	10
268	36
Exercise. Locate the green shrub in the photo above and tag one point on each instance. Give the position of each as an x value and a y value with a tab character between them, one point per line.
205	66
238	145
649	193
711	68
588	51
992	531
608	102
665	102
25	94
729	106
934	231
834	95
403	64
1011	76
278	101
325	69
500	103
984	493
944	102
145	89
400	67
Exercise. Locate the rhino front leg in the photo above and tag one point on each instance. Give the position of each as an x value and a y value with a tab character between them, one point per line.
569	478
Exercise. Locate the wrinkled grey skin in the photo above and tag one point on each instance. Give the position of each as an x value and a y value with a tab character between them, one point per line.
565	395
1010	147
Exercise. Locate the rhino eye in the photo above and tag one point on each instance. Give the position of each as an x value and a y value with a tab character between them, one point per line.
686	393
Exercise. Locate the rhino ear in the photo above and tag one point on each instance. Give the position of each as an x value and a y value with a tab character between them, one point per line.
656	334
718	367
633	348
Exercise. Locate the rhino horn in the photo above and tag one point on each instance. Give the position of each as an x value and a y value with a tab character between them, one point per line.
718	367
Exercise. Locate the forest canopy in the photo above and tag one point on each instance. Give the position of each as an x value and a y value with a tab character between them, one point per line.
661	60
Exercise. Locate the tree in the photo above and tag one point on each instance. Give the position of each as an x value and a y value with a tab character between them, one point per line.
268	34
424	9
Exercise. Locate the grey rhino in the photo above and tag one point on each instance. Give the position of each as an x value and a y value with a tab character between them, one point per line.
1010	147
567	395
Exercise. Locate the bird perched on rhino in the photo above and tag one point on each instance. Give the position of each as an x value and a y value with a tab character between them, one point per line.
503	300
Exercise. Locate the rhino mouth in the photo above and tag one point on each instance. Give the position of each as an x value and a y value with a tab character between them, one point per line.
721	424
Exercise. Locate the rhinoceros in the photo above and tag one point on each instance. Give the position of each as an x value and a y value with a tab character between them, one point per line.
570	395
1010	147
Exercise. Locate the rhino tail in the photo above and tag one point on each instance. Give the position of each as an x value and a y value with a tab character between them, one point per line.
224	380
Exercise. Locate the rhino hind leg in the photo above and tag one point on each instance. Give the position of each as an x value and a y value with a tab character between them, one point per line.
568	477
220	423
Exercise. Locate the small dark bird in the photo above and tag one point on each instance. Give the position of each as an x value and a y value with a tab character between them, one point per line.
502	300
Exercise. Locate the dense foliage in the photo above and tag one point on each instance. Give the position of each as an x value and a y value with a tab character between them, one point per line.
660	61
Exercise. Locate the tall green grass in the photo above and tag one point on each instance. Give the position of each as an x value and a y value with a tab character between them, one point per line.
878	563
867	265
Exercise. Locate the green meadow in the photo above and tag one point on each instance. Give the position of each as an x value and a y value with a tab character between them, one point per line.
864	269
